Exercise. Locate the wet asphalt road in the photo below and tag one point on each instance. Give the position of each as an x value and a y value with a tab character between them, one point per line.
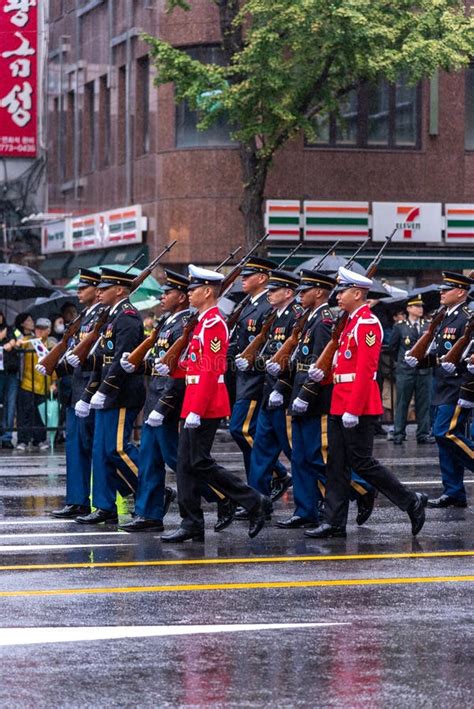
94	617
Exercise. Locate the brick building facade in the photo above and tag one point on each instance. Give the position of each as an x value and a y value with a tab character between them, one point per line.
115	140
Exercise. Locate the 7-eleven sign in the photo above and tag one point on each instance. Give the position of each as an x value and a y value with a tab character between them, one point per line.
416	221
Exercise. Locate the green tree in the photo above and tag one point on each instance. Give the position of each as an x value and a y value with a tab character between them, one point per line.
288	61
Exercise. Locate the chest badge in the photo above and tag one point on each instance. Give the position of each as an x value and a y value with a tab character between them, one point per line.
305	350
448	345
193	357
407	340
348	354
110	345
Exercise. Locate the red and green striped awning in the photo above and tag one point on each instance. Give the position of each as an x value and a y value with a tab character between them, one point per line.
283	219
459	223
327	221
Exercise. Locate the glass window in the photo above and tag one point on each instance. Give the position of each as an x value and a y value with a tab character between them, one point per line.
469	124
187	134
89	127
105	121
143	106
382	115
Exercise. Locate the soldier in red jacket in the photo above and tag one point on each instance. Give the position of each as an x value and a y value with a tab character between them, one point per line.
205	402
355	406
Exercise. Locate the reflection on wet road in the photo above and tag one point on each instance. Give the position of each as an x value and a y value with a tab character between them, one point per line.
101	617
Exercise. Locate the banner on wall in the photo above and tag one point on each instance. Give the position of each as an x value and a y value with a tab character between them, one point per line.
56	237
459	223
19	83
282	219
416	221
330	221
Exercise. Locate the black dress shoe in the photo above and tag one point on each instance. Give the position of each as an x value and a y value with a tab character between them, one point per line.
426	439
365	506
225	514
8	444
97	517
141	524
170	496
296	522
324	531
71	511
280	486
446	501
397	441
259	515
182	535
416	512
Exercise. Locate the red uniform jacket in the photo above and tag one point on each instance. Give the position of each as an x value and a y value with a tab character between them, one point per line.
205	365
357	359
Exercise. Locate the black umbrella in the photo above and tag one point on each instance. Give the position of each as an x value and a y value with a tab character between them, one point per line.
21	282
49	307
330	264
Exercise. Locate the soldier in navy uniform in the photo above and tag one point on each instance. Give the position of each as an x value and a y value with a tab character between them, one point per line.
273	426
79	431
118	399
411	381
159	439
450	419
249	382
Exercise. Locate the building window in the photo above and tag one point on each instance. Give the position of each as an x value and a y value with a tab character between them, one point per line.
70	143
142	111
89	142
187	134
380	115
105	122
121	117
469	118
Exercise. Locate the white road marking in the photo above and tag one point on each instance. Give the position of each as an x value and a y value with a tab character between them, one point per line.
33	636
32	520
43	547
21	535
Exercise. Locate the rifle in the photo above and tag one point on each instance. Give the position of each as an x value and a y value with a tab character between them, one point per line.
172	357
83	348
139	353
456	352
283	355
421	346
233	318
325	359
50	360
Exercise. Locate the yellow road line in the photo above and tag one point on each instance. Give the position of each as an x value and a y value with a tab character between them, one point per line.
235	560
236	586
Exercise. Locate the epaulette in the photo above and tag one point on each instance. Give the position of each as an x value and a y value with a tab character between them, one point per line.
326	315
368	321
212	321
467	311
402	322
296	307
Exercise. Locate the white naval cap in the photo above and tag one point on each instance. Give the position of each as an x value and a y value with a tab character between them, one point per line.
203	277
350	279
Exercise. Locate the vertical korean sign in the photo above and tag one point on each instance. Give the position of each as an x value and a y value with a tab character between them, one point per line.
18	78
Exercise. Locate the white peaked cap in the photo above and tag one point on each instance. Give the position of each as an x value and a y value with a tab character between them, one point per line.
203	276
350	279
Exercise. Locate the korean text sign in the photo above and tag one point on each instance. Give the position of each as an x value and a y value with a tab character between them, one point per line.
18	78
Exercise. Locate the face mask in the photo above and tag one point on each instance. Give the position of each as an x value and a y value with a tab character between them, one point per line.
59	329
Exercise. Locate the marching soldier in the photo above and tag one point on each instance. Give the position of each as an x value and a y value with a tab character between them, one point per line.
355	405
411	381
159	439
206	401
273	426
450	419
117	400
79	431
249	382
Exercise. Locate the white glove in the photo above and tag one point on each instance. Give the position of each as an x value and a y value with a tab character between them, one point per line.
72	359
464	404
192	420
39	368
155	419
448	367
411	361
162	369
98	400
299	406
125	364
470	368
349	420
82	409
242	364
275	399
315	374
273	368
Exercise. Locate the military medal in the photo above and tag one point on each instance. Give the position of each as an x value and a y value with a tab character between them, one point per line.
348	354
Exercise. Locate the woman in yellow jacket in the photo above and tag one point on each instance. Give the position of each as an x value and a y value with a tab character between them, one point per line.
34	387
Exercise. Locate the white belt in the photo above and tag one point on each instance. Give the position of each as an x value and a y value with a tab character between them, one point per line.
349	377
194	379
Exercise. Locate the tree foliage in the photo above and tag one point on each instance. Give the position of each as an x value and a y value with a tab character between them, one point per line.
290	60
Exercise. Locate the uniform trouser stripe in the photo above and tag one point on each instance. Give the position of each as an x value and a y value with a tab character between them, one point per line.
289	431
324	438
452	436
120	448
246	425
